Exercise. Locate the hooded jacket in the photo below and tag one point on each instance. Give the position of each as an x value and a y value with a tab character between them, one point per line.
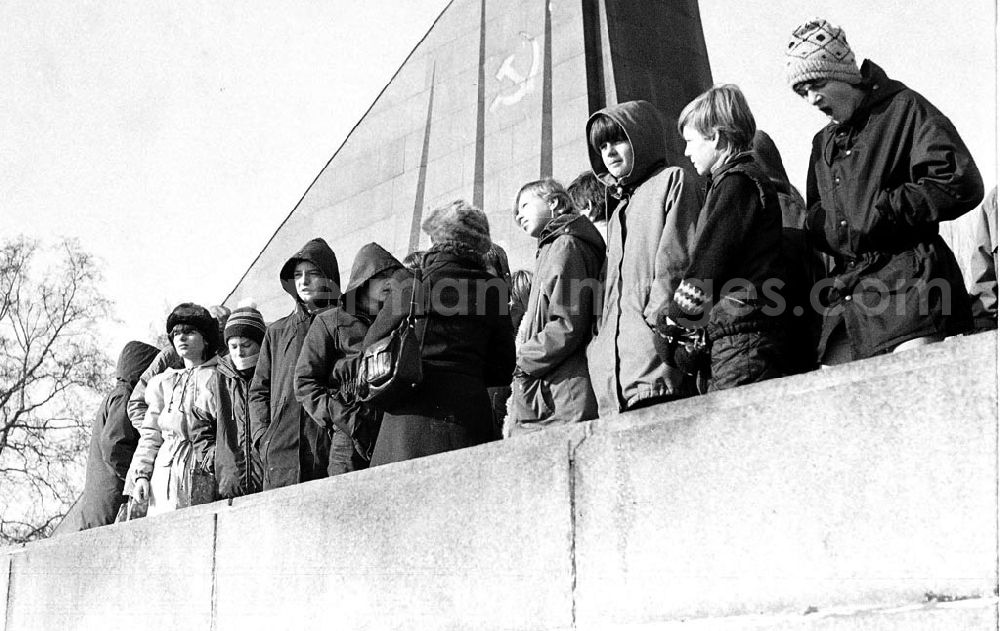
651	227
879	185
237	464
292	447
336	335
558	324
113	441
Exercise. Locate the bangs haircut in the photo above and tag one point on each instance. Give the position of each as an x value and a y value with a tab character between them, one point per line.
605	129
587	191
547	189
721	109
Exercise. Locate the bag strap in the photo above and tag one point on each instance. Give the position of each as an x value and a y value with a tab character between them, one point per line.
419	323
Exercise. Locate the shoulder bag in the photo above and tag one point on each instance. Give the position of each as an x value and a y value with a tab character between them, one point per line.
392	367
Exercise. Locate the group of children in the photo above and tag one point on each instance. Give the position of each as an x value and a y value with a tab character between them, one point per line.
648	286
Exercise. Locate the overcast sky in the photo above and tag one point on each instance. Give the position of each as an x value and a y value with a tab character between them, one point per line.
172	138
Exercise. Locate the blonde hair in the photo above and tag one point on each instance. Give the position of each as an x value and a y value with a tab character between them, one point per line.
721	109
548	189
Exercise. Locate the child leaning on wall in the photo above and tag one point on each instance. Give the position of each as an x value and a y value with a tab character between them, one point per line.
653	210
551	382
336	335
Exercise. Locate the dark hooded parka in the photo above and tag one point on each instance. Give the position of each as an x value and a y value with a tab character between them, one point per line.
292	447
113	441
553	384
653	218
878	187
336	335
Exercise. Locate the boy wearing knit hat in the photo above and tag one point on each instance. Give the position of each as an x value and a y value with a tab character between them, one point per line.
237	463
886	170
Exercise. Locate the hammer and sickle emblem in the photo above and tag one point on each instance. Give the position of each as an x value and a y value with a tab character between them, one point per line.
508	72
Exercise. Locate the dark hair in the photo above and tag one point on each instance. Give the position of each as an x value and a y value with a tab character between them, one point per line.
604	129
587	188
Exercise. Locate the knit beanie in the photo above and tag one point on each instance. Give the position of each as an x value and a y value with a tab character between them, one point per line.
199	318
246	322
459	224
819	50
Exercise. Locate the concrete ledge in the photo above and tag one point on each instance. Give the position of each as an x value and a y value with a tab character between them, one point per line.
481	536
849	493
149	574
964	615
876	486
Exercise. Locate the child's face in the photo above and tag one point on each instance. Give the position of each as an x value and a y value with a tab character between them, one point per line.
618	158
240	346
534	213
371	297
310	284
704	152
188	342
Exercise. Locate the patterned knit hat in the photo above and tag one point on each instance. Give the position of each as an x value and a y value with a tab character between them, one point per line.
246	322
819	50
459	224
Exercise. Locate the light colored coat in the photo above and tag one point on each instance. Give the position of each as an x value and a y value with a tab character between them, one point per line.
554	384
651	231
177	438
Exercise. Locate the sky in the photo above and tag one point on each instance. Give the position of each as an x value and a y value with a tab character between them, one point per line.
172	138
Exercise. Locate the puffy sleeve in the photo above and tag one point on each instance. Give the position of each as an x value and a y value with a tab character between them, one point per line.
150	436
673	254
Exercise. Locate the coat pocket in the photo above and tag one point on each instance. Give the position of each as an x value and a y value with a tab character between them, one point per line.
531	399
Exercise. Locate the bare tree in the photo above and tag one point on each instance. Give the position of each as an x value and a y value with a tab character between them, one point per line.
52	372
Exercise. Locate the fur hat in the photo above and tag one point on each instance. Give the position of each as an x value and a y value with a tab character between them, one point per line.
246	322
461	225
199	318
819	50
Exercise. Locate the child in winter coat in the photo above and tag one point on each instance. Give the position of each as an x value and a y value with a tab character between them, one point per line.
237	463
653	210
336	335
587	194
731	288
551	382
112	443
172	465
292	447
